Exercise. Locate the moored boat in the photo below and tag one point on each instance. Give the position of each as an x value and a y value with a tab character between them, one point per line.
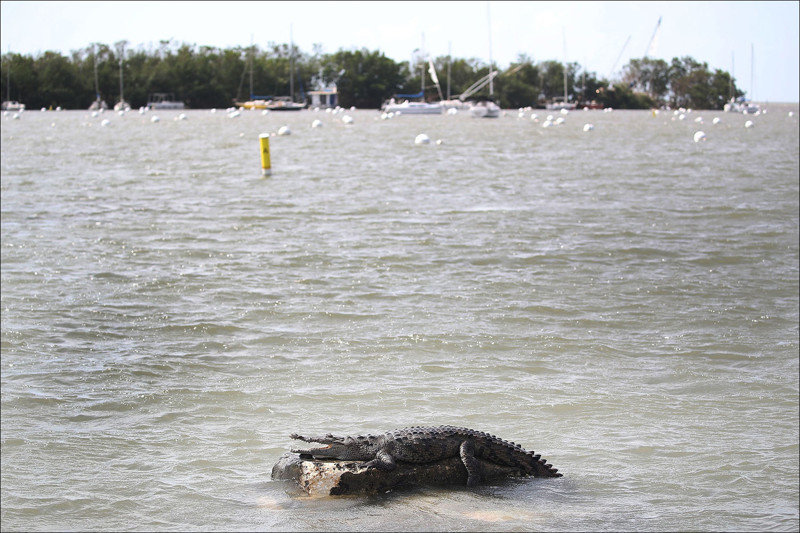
164	101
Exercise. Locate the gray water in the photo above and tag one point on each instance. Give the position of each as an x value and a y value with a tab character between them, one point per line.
623	301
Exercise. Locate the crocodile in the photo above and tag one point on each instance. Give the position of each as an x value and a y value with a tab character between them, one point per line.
421	445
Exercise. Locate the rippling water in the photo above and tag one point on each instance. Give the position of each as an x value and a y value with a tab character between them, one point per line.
623	301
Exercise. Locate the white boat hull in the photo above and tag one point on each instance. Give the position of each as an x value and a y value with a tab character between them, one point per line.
413	108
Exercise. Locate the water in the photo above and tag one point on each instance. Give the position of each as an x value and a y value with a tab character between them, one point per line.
623	301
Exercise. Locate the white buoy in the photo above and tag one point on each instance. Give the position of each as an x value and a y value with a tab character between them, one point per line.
452	111
265	112
791	113
699	120
715	121
535	117
439	142
316	124
564	111
749	124
559	121
182	116
234	114
284	130
94	114
213	109
588	127
699	136
154	118
547	123
347	119
105	122
422	139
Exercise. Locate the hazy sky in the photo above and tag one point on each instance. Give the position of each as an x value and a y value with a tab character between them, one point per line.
593	34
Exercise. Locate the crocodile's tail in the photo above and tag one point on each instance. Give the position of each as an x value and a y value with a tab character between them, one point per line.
539	466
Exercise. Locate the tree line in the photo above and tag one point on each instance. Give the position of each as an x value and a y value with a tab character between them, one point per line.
208	77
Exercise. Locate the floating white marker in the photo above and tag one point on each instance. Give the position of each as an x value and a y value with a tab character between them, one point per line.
422	139
154	118
234	114
547	123
791	113
265	112
452	111
559	121
715	121
347	119
284	130
699	120
94	114
535	117
105	122
564	111
699	136
749	124
439	142
316	124
588	127
182	116
213	109
266	165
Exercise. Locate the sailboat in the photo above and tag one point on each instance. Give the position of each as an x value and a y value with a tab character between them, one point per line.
407	107
742	104
273	103
98	104
558	104
122	105
487	108
8	103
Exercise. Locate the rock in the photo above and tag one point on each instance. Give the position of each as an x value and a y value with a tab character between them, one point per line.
332	478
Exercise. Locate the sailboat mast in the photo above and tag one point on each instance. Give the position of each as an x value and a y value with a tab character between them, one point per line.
752	60
251	66
448	69
96	82
491	78
121	53
564	37
291	64
422	66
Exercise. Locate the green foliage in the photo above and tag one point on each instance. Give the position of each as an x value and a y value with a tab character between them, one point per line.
205	77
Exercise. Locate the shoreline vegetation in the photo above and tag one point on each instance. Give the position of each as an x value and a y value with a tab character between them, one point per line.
210	77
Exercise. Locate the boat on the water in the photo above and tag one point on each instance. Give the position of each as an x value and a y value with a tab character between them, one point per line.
557	104
13	105
742	105
485	109
164	101
272	103
407	107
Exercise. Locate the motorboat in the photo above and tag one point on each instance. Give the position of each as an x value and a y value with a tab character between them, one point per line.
13	105
412	108
557	105
164	101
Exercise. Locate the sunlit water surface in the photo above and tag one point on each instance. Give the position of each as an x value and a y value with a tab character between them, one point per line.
623	301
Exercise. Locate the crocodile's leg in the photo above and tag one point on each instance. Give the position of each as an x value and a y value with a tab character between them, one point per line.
383	461
467	452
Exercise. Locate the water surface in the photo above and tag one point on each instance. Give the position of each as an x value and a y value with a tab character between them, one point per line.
623	301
